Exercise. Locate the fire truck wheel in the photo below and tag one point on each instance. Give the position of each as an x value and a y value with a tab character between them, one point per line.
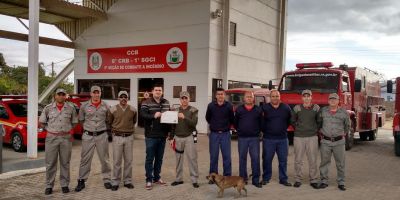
17	142
397	144
372	135
363	136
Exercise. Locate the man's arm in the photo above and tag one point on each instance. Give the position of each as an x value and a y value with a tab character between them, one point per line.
110	118
43	118
295	116
347	123
208	114
145	111
192	121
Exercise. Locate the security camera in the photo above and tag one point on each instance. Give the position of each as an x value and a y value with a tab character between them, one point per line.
216	14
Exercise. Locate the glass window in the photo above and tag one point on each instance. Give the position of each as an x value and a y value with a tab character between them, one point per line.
21	109
345	84
259	100
319	82
3	112
109	87
235	98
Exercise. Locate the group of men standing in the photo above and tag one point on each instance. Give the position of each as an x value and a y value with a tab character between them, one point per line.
97	119
269	121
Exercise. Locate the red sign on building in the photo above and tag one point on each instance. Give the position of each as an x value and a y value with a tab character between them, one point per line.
139	59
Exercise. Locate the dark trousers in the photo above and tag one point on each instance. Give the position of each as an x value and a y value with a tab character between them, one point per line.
154	158
249	145
270	147
220	141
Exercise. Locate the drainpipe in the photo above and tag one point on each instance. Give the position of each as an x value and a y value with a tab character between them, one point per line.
225	44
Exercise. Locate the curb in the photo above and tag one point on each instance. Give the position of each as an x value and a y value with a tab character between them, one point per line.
12	174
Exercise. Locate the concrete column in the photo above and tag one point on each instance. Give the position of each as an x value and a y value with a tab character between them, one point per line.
33	78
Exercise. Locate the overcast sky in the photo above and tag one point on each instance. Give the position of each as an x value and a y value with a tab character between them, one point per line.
363	33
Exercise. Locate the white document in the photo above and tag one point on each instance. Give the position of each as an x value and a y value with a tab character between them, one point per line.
169	117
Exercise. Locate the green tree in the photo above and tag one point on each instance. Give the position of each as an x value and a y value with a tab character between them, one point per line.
15	80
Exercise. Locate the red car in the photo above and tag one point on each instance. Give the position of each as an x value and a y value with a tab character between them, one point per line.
13	115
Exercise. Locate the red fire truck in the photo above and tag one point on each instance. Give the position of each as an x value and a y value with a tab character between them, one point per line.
358	89
396	118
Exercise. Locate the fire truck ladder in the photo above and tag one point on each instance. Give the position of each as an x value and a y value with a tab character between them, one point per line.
59	79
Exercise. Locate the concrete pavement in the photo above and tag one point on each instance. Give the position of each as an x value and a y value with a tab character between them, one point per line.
373	172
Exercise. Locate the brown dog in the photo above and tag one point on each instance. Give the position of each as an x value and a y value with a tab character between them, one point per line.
224	182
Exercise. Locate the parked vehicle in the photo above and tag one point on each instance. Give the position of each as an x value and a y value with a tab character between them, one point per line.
13	115
396	118
358	89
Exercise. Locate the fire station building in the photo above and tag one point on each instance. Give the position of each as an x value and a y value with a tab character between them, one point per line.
192	45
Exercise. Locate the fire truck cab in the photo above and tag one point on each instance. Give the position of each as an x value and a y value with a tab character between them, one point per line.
358	89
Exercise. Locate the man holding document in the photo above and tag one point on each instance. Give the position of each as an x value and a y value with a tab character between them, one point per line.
155	133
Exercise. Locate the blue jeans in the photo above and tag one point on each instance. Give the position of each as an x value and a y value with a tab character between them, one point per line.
154	158
270	147
223	141
249	145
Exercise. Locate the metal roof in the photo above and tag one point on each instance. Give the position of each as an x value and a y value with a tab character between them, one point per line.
70	18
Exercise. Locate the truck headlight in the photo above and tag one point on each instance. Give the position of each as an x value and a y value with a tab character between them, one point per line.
40	130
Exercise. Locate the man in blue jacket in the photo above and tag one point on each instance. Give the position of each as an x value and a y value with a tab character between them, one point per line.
220	117
248	125
276	120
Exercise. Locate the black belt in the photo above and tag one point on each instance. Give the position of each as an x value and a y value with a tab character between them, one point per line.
94	133
220	131
333	139
122	134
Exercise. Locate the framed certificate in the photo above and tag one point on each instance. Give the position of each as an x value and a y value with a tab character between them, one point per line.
169	117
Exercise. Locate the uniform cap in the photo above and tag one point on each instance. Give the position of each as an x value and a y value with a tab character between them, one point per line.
61	90
123	92
184	94
333	96
95	88
306	92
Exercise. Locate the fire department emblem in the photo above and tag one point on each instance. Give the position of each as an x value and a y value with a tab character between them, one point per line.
174	57
95	61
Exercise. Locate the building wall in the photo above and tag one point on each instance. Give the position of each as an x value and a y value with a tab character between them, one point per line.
137	23
255	56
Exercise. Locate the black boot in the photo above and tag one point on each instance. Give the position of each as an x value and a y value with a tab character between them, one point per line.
80	186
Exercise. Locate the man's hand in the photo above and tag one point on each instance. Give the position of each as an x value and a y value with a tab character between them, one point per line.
181	116
157	115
